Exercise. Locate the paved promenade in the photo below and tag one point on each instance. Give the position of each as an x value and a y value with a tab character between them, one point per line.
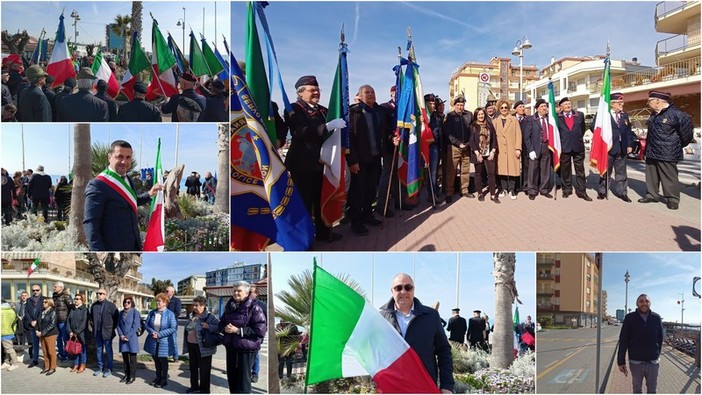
570	224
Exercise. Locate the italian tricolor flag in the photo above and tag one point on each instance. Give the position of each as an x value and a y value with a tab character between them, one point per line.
602	130
103	72
155	232
348	337
163	82
33	267
60	65
554	136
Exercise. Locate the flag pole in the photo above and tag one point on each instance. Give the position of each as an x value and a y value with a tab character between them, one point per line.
23	165
608	120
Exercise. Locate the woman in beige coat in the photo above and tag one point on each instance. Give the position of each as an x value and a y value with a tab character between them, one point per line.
509	148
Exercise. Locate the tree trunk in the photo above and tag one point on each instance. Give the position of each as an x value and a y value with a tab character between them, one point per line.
136	18
222	193
273	380
82	173
502	354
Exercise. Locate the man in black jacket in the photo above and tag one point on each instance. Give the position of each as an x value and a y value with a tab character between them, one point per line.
642	337
38	190
421	328
82	106
456	128
669	131
103	320
32	103
571	128
139	110
457	327
31	317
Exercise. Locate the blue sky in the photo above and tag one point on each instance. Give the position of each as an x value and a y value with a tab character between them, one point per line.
446	35
177	266
33	16
48	145
662	276
434	276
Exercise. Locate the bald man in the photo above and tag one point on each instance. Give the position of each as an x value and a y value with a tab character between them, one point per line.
421	328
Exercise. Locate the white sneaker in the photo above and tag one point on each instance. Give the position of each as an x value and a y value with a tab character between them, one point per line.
13	367
5	365
513	196
503	193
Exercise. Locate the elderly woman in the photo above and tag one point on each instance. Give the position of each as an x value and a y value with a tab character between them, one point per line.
244	326
484	145
77	323
161	342
200	356
47	332
509	149
127	325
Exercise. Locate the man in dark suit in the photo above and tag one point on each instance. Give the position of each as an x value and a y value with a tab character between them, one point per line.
111	105
32	103
536	132
457	327
139	110
110	217
174	304
82	106
622	145
520	113
39	191
308	126
476	330
571	127
370	131
187	85
103	320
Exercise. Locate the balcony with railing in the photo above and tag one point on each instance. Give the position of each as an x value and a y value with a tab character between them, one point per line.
678	44
672	16
671	71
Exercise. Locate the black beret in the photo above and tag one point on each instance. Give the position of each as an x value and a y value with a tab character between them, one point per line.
540	102
659	95
517	104
563	100
456	309
477	311
306	80
50	79
217	84
189	104
430	97
188	77
101	85
616	96
70	83
139	87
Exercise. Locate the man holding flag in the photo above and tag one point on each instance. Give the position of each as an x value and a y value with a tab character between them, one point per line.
110	219
622	145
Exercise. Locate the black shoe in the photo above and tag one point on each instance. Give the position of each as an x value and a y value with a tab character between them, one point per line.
672	206
32	364
191	390
547	195
44	371
123	379
371	221
481	198
566	194
600	196
449	199
50	372
359	229
532	197
131	380
584	197
156	381
161	384
648	199
495	199
254	378
469	195
624	198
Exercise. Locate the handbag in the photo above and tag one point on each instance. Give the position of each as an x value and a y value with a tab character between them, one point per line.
73	346
210	339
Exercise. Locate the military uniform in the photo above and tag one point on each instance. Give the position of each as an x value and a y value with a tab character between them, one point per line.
138	110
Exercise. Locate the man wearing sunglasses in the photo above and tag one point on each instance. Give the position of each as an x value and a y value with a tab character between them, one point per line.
103	319
31	316
421	328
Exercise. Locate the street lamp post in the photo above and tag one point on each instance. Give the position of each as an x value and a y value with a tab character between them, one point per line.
518	50
681	302
626	294
76	18
182	24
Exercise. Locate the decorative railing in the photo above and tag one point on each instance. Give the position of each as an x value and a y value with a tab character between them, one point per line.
677	43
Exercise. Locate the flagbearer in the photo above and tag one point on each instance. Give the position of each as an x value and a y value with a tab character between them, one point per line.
187	86
139	110
110	217
622	145
308	126
571	127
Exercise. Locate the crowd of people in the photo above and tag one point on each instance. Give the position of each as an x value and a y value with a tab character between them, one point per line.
507	148
475	332
28	191
33	95
51	322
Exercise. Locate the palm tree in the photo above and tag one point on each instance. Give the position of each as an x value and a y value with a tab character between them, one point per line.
502	355
122	27
136	18
81	175
222	193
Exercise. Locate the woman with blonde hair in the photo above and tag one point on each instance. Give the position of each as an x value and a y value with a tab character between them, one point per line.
161	340
47	331
509	149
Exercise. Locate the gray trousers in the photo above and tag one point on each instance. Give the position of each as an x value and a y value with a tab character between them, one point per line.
664	174
644	370
619	186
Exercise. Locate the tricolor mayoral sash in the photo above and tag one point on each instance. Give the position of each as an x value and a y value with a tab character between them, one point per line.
120	185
